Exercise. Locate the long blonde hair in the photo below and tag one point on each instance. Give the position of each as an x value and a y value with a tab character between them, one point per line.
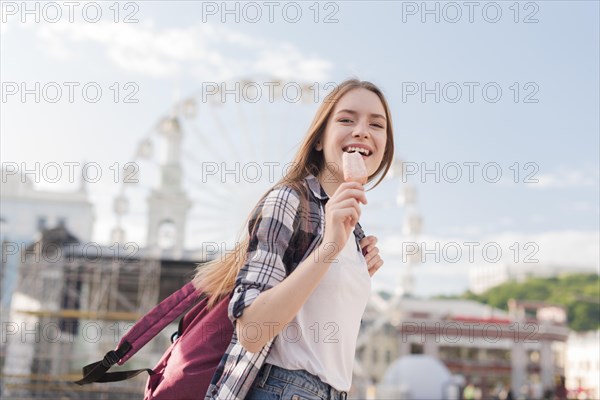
216	278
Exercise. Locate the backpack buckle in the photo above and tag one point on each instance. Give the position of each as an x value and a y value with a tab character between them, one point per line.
110	359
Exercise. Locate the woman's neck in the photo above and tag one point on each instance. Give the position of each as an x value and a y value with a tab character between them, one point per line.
328	182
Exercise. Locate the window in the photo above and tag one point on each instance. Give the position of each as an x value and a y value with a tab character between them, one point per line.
388	356
416	348
41	223
449	353
472	353
498	355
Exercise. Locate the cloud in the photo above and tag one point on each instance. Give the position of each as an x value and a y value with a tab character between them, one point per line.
289	62
55	46
208	52
566	177
582	206
565	248
553	250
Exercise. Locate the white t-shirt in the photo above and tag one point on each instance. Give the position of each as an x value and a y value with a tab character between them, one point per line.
321	339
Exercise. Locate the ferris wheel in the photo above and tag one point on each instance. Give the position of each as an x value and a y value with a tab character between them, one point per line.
199	169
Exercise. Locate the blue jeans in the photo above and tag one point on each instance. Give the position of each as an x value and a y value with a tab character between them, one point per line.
276	383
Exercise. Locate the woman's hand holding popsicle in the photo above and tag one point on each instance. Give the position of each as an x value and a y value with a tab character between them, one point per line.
342	211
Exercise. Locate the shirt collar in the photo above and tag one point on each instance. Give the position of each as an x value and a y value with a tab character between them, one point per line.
315	186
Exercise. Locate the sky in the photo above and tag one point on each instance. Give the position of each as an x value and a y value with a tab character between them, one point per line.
501	98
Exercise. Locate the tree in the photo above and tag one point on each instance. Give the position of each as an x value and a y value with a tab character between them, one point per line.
578	293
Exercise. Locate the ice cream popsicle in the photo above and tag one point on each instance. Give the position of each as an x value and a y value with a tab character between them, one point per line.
355	169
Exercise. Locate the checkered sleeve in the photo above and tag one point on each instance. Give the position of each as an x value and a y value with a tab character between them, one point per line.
266	256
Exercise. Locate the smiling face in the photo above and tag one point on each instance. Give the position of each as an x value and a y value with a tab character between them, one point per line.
356	122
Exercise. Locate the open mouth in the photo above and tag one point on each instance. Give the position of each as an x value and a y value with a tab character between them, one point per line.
364	152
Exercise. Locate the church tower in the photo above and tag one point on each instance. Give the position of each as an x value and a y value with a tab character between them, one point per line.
168	205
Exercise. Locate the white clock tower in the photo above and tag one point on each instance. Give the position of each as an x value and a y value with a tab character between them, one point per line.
168	205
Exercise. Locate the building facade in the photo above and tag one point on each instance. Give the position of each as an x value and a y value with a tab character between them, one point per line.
27	211
486	346
583	364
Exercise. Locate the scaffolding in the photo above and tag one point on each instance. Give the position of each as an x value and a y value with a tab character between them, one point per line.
72	304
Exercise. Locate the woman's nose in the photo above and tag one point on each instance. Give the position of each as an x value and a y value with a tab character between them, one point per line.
361	130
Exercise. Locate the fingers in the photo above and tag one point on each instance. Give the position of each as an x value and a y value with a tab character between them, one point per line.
365	241
368	242
348	204
345	204
371	254
346	213
377	263
356	194
350	189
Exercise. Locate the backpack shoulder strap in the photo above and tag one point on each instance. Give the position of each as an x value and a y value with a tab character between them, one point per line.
141	333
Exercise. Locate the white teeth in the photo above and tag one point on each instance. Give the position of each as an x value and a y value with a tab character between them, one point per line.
359	149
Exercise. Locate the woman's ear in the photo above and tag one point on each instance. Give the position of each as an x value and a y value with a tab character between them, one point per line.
318	146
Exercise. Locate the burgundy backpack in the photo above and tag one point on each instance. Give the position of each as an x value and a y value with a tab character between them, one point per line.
188	365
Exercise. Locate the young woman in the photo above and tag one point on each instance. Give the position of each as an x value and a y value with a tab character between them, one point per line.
298	294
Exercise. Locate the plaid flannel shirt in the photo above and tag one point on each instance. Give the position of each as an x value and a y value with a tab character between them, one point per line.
274	252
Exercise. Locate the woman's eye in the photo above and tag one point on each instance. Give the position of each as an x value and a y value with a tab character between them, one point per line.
349	120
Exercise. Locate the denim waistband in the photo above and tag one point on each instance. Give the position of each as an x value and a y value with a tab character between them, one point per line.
302	379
